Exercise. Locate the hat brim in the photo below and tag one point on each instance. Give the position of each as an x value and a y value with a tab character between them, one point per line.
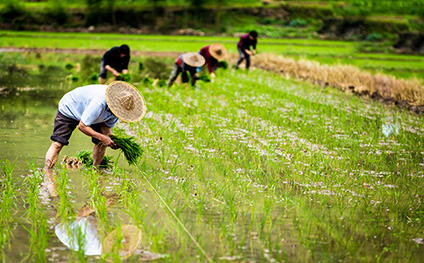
218	51
189	59
116	92
131	238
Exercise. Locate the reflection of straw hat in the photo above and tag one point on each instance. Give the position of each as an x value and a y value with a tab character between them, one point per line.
193	59
218	51
123	242
125	101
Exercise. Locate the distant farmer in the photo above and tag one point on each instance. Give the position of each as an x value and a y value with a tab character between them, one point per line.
115	61
243	47
187	62
95	109
213	54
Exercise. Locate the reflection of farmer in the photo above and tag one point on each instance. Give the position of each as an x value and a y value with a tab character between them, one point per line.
94	109
82	234
115	61
213	54
187	62
243	47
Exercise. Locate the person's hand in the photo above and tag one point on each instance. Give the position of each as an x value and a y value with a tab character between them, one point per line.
116	73
212	76
248	52
254	52
108	142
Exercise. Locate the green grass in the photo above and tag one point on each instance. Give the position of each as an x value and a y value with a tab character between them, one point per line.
328	52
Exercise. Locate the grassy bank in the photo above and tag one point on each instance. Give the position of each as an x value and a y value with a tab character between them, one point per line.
383	25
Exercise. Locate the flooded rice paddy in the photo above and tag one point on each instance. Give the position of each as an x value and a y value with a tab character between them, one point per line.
251	168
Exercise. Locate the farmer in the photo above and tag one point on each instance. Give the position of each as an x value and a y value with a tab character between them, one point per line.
243	47
115	61
95	109
187	62
213	54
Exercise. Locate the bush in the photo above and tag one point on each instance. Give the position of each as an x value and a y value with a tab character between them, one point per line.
298	23
11	12
374	37
58	14
267	21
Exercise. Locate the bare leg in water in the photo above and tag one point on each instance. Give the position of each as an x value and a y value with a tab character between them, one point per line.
51	159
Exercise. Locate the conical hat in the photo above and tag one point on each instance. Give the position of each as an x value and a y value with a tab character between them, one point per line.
193	59
126	240
218	51
125	101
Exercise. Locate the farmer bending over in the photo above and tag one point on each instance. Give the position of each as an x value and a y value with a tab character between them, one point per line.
95	109
115	61
243	47
213	54
186	62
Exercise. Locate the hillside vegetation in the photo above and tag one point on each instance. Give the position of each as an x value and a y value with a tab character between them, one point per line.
394	24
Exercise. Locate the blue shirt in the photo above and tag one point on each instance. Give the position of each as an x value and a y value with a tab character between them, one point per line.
88	104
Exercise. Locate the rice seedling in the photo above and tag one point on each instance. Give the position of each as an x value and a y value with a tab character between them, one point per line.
38	229
7	204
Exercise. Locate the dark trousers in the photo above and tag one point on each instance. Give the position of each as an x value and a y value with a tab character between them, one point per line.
243	55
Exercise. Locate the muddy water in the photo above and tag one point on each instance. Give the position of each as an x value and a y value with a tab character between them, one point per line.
27	111
26	123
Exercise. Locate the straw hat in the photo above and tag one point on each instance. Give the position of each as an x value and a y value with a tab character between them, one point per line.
125	101
124	242
193	59
218	51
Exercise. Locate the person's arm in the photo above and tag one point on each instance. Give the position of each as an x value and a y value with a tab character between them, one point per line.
105	139
209	63
212	76
111	70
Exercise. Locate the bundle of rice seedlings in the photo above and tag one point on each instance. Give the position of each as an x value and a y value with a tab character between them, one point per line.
204	78
223	64
124	77
86	158
131	149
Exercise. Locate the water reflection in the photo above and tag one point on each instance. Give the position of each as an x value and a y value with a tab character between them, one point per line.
84	235
87	228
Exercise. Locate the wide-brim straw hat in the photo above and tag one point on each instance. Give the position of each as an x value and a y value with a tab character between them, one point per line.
193	59
123	241
218	51
125	101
